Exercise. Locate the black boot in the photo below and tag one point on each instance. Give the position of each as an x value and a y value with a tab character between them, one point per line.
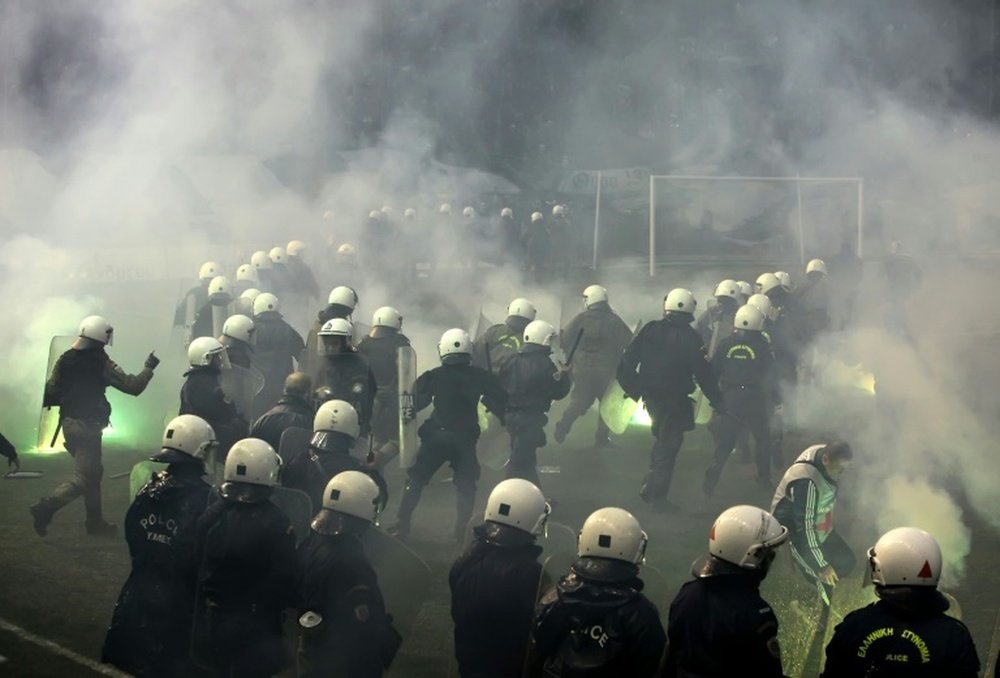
711	479
407	505
41	513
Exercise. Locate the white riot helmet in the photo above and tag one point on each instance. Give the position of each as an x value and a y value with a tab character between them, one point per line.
594	294
296	248
536	217
454	342
239	327
246	273
746	536
337	327
387	316
353	493
265	302
558	210
816	266
539	332
784	278
98	329
762	303
518	503
612	533
750	318
507	213
220	287
728	288
261	261
346	251
386	211
203	351
905	556
445	208
254	462
343	295
522	308
679	300
337	416
767	282
374	215
187	435
209	270
469	212
278	255
746	289
409	213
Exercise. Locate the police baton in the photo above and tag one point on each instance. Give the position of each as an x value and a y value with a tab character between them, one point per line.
576	345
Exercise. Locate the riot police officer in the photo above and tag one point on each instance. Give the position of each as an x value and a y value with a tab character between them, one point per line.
277	346
449	435
499	343
603	337
745	367
597	622
202	394
532	382
245	555
340	303
906	632
151	627
196	297
716	322
719	625
670	356
76	385
211	316
238	338
344	630
344	373
495	582
380	348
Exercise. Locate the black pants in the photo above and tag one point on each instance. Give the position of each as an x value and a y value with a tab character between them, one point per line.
438	447
671	418
588	386
527	434
747	409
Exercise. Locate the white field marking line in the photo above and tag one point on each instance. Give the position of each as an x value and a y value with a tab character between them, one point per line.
55	648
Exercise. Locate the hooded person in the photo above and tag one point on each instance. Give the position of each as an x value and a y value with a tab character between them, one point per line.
76	386
380	349
906	632
718	623
344	629
202	394
500	342
495	582
277	350
596	621
340	303
344	373
294	410
151	626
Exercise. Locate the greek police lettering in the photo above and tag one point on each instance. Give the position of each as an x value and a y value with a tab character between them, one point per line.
918	642
158	528
741	352
596	632
877	634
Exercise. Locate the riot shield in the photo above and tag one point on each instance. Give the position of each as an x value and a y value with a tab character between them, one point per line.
702	411
479	328
219	316
241	385
361	331
560	549
406	366
656	588
616	408
140	475
48	420
403	577
294	441
297	505
493	446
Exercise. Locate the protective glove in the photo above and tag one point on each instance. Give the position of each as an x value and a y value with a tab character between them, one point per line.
152	361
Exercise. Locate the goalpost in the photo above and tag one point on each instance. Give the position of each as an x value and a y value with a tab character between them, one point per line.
858	182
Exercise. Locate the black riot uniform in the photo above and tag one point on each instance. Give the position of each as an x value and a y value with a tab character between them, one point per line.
311	355
291	411
670	356
494	587
240	352
717	320
150	630
348	377
277	345
449	435
202	396
345	631
530	379
245	555
719	626
501	341
77	384
906	633
302	278
328	454
194	299
604	338
379	348
597	622
745	367
8	451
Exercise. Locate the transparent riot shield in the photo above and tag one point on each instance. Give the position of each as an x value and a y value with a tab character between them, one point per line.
403	577
294	441
297	505
241	385
616	408
361	331
406	366
49	437
141	474
559	544
493	446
